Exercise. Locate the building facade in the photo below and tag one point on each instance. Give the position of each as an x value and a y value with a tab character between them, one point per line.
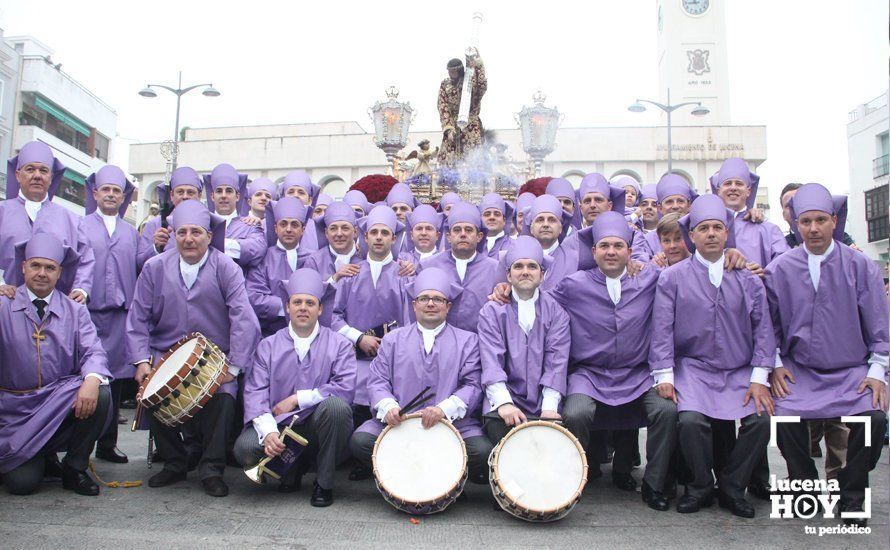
868	146
10	62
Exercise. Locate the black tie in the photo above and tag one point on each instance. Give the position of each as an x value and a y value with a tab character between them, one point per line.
41	307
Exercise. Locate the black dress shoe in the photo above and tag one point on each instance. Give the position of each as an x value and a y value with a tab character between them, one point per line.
215	486
112	455
759	490
654	499
858	522
79	482
625	482
321	497
165	477
689	504
156	456
128	404
738	506
360	473
291	486
53	468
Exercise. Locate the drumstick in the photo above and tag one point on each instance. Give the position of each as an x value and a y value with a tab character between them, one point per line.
419	398
137	416
416	405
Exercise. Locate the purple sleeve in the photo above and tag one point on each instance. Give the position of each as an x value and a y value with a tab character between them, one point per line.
244	329
469	382
778	245
557	344
139	319
253	247
83	279
341	302
380	373
266	303
91	356
639	249
492	347
343	371
770	282
145	249
872	302
764	336
257	400
661	347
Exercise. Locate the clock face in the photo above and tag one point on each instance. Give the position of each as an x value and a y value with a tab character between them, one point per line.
696	7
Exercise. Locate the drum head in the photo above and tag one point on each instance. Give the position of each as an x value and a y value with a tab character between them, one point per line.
540	468
418	465
168	368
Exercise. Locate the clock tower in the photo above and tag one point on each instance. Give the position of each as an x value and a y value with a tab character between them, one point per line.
692	59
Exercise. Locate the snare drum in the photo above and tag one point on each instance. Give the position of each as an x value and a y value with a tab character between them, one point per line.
420	471
538	471
184	380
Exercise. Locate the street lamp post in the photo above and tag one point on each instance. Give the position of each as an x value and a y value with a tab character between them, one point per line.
179	91
700	110
538	125
392	120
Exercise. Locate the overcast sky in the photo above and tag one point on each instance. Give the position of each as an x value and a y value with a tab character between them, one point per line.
797	66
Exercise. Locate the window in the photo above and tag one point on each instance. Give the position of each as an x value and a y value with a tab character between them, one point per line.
876	201
882	161
101	147
71	188
39	112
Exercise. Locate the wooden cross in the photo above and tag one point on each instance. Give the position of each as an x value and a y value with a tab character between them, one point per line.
37	336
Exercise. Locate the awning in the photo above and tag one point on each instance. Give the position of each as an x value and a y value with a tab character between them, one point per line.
62	116
74	176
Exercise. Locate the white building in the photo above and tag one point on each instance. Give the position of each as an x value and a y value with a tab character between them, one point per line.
9	79
868	145
54	108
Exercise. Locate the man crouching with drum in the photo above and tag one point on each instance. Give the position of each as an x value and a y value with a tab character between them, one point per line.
303	370
194	288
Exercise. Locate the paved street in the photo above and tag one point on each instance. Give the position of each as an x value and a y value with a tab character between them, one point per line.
182	516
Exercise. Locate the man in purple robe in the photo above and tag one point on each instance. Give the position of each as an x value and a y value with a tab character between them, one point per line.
646	214
226	192
303	371
829	309
357	201
285	221
611	324
32	179
674	196
430	352
321	205
448	200
632	193
565	193
467	265
114	243
760	241
524	346
193	288
497	215
425	231
53	374
260	192
298	184
401	199
523	202
338	257
548	222
185	184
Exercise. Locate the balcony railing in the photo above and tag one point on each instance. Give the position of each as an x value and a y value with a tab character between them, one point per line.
881	166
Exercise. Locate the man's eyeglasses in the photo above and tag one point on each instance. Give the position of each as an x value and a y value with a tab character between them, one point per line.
424	300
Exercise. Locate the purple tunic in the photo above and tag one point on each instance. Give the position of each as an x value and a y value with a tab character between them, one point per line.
39	380
652	243
826	336
264	285
146	247
759	242
502	244
114	281
711	337
252	240
525	362
164	310
363	306
479	281
610	343
402	369
16	226
278	372
322	261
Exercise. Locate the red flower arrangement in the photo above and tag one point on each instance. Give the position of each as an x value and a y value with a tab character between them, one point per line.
375	186
537	186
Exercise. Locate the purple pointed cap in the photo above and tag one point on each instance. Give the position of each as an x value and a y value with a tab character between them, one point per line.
649	191
524	247
283	209
494	200
337	211
524	201
33	151
433	278
262	184
225	174
355	197
108	175
545	204
305	281
674	184
426	214
192	212
299	178
623	181
381	215
707	207
815	196
46	246
597	183
611	224
561	187
448	198
401	193
324	200
186	175
736	169
464	212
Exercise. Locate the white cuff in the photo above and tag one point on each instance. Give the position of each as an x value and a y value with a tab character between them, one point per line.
453	407
265	424
350	333
877	372
384	406
2	280
85	295
281	312
234	371
497	395
550	399
102	380
233	249
778	364
760	375
331	280
308	398
665	376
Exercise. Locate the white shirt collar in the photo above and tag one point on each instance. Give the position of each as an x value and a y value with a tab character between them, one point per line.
461	265
613	286
301	345
31	207
377	266
341	259
32	296
424	255
742	211
292	255
429	335
229	218
715	269
814	263
109	221
526	310
552	249
491	239
189	272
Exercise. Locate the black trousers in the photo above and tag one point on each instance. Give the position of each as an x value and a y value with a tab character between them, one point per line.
81	439
108	440
794	442
211	426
